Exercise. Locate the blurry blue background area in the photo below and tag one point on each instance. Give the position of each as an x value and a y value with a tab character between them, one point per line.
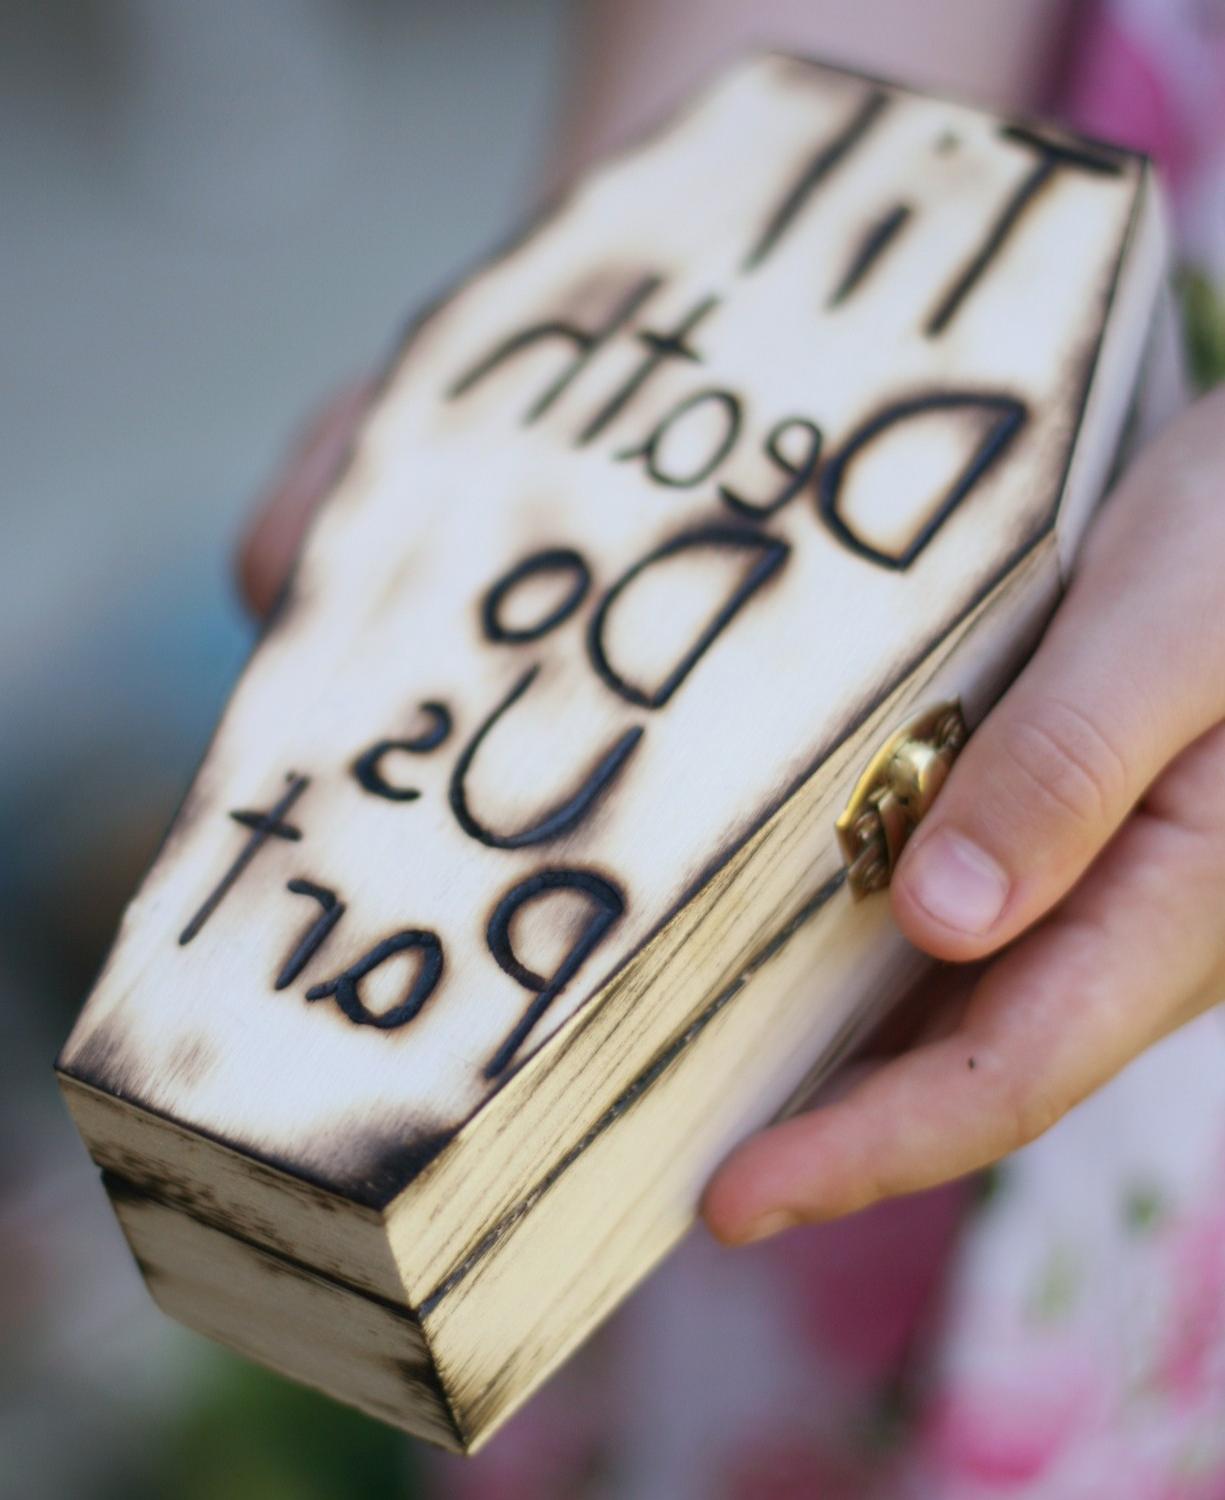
211	215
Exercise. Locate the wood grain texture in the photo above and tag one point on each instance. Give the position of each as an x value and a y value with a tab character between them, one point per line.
516	839
286	1316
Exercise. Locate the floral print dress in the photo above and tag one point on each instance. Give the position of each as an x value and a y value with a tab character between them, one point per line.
1055	1331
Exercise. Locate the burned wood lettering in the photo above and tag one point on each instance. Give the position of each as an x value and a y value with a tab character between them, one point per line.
331	911
510	896
263	826
368	767
723	410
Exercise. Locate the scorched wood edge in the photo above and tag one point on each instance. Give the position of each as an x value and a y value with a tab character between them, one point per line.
507	895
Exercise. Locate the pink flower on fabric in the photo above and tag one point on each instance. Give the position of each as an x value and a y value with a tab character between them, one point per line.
1014	1425
1118	93
541	1461
864	1286
1193	1359
789	1468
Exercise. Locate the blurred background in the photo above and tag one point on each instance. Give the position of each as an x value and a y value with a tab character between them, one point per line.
211	216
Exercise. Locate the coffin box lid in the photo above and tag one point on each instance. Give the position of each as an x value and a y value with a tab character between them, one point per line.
653	525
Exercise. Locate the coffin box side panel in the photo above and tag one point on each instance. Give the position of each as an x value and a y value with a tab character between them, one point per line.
233	1192
355	1349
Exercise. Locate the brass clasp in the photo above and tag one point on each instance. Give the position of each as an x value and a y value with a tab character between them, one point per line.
895	792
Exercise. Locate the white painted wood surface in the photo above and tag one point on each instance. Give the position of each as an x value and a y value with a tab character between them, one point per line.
789	420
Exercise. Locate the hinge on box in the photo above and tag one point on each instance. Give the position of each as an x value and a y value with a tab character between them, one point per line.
894	794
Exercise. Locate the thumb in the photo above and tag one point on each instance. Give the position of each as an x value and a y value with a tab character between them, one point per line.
1130	671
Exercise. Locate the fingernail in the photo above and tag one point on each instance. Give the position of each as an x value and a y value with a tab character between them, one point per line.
767	1225
954	881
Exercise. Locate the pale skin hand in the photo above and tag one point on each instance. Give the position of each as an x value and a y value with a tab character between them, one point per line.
1080	836
1078	847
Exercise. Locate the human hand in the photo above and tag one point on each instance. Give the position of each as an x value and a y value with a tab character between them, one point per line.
1081	838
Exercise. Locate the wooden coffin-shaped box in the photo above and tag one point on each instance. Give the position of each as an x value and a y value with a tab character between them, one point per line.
508	896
